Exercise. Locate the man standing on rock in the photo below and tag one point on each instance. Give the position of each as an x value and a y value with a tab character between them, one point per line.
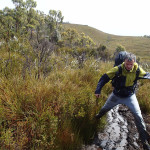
124	79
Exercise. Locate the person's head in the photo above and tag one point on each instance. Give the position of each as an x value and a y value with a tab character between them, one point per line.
129	61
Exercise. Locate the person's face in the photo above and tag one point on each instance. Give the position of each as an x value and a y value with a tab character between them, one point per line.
129	64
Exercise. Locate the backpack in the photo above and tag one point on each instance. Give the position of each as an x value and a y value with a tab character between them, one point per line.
117	81
120	57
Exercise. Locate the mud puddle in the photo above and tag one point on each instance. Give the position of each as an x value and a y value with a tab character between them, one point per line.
116	135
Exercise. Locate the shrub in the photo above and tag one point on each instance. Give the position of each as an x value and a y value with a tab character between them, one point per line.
53	112
143	96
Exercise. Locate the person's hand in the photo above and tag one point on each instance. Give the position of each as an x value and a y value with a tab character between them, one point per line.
97	95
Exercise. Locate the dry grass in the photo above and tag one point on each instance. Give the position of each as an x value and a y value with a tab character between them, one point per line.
138	45
49	113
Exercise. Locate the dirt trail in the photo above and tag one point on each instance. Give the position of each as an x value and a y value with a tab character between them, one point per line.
120	132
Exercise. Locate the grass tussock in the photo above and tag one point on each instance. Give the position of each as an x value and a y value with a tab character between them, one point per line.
143	96
56	112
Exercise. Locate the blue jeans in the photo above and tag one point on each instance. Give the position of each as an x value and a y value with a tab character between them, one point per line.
132	103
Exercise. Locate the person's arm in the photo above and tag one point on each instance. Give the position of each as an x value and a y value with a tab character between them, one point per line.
103	80
143	74
146	76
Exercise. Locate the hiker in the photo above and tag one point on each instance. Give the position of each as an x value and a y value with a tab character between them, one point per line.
124	84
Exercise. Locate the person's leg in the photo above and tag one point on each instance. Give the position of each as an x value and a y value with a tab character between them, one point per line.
110	103
133	105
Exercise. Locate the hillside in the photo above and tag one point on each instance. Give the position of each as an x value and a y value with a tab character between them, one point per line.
138	45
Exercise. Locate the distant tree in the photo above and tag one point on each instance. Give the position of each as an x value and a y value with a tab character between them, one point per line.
6	27
40	26
31	16
19	15
30	4
18	3
101	48
53	21
120	48
85	41
79	43
69	37
147	36
54	18
102	52
24	15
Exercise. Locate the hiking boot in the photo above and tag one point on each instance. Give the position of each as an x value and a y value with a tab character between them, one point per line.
98	116
146	146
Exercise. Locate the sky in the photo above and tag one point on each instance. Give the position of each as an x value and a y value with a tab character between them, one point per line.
118	17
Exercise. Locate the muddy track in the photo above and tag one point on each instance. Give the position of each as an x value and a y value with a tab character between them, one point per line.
120	132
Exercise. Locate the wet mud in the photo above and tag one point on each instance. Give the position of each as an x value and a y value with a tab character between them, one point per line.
120	132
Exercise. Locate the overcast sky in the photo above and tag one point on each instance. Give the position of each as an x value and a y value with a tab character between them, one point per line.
119	17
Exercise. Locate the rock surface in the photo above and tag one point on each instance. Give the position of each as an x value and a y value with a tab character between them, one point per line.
120	132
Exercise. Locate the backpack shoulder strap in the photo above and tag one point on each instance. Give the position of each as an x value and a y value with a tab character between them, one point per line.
117	76
119	72
137	73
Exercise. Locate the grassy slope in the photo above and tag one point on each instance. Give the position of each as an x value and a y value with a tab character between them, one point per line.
138	45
